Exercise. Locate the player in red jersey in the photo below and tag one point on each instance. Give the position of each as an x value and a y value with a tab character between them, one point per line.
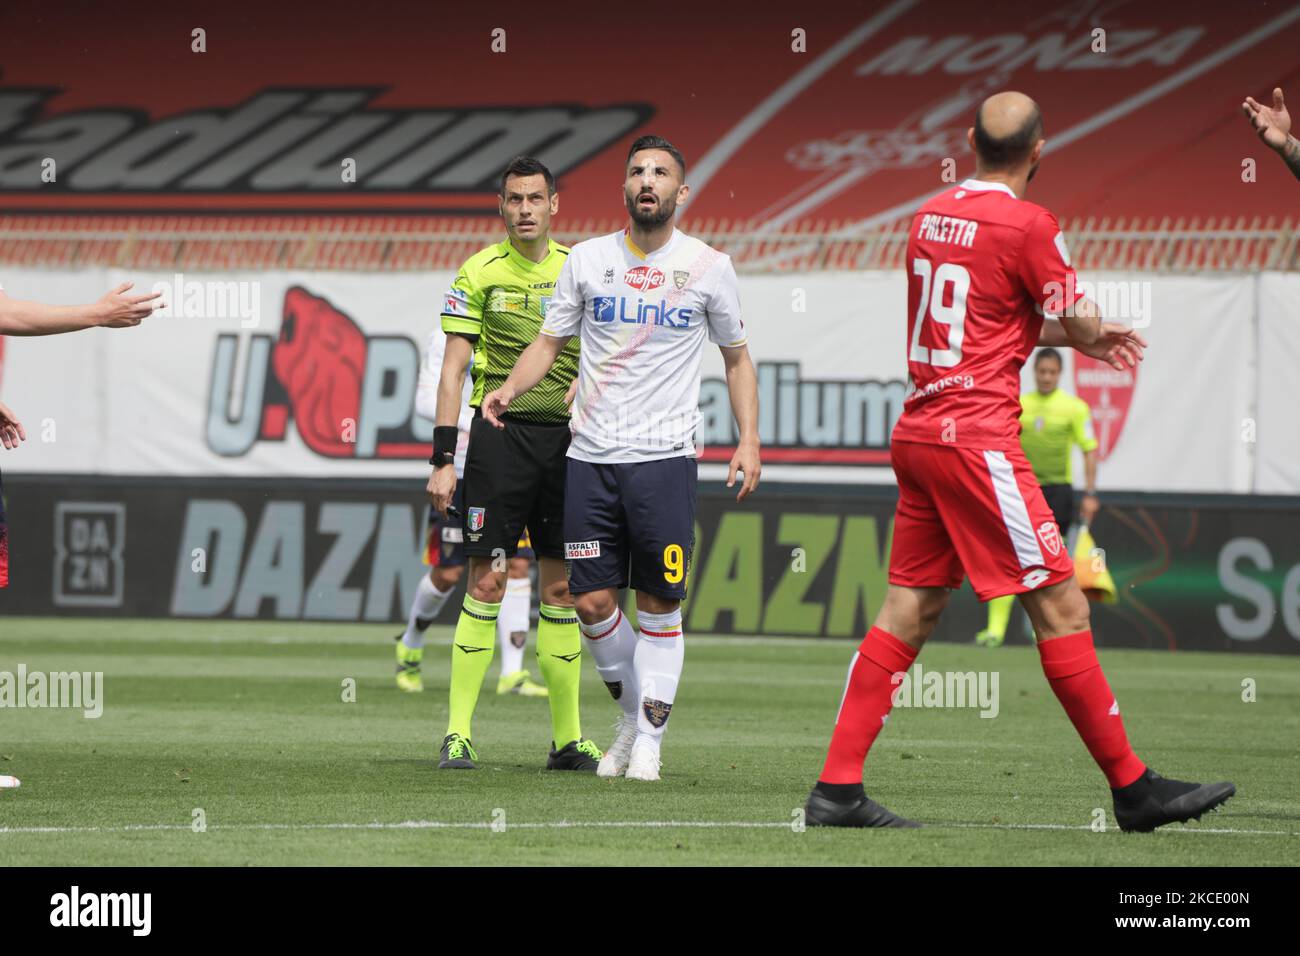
984	265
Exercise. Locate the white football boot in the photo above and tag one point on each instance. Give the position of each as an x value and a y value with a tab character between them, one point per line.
644	763
614	762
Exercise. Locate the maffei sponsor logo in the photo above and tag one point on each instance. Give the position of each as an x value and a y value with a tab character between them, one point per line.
77	909
77	690
644	278
961	689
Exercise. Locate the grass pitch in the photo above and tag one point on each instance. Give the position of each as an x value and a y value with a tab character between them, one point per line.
246	722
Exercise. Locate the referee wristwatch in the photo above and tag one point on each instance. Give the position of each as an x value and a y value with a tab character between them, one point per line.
440	458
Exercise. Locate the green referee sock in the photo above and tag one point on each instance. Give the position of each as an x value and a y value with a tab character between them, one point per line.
1000	614
471	655
559	655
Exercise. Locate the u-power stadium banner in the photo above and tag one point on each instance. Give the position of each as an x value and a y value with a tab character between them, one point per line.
314	374
1191	574
843	111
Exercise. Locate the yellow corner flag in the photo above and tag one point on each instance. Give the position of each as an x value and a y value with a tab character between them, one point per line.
1090	567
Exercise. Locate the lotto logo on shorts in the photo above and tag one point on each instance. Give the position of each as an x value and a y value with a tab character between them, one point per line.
1050	536
581	549
476	519
453	534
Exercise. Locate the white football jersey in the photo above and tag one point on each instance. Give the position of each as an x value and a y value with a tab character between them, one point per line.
641	321
426	394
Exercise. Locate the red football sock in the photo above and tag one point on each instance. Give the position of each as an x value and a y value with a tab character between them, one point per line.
867	701
1074	672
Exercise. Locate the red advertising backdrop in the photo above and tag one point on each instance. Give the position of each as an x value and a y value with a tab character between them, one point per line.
786	113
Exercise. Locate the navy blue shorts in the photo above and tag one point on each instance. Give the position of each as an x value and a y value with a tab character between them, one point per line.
630	525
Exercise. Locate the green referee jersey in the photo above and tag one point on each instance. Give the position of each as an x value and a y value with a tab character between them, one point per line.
498	300
1049	426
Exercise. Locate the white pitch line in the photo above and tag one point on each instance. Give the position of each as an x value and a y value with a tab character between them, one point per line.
590	825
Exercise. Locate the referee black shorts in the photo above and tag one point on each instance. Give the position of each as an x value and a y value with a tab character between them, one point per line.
1060	498
514	479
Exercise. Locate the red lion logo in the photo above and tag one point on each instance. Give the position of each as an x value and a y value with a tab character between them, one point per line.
320	359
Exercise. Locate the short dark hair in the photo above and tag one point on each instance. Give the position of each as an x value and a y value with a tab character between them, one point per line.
1009	150
658	142
1047	352
527	166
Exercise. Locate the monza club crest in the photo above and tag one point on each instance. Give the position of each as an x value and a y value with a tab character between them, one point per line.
1109	393
1050	536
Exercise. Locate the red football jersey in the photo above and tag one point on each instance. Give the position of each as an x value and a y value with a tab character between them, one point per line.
983	267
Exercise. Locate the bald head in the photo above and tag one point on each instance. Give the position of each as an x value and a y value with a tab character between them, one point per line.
1007	126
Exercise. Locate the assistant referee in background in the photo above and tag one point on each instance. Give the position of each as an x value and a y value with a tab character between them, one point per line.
1052	422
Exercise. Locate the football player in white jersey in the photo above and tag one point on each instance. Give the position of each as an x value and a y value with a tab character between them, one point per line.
643	301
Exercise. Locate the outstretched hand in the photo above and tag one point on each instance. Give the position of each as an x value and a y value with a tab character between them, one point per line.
1273	124
121	311
11	429
1118	346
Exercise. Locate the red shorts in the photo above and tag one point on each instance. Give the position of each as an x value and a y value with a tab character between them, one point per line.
966	512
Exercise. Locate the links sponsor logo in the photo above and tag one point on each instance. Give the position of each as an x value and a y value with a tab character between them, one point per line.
605	309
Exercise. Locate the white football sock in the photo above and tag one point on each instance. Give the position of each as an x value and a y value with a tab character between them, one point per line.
612	645
513	620
658	658
427	605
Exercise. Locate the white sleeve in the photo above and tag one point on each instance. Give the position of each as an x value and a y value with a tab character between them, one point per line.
567	304
726	328
426	386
